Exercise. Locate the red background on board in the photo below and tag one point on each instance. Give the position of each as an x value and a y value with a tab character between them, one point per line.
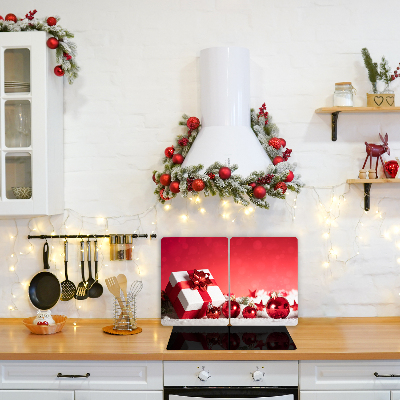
268	263
184	253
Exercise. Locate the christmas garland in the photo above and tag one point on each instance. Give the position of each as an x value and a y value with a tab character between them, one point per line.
218	178
65	48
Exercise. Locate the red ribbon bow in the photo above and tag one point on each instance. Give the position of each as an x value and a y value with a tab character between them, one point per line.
199	280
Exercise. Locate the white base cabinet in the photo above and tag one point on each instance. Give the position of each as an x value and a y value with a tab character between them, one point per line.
117	395
349	380
344	395
35	395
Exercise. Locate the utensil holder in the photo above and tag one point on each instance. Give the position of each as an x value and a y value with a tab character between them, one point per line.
125	314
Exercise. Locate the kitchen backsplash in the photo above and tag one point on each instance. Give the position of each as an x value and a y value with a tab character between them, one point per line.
139	74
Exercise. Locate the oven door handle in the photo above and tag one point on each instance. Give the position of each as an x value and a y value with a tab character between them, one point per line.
386	376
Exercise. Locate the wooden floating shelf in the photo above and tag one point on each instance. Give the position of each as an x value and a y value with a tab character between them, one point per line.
330	110
336	110
378	180
367	187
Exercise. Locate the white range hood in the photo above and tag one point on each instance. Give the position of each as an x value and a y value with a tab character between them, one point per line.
225	106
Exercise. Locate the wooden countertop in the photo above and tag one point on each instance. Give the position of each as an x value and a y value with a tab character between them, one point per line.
315	338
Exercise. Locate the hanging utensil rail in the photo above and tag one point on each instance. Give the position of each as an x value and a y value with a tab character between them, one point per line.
134	236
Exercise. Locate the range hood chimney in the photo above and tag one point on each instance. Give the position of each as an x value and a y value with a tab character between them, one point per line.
226	135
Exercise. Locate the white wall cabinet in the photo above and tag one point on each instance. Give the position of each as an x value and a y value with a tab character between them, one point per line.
31	127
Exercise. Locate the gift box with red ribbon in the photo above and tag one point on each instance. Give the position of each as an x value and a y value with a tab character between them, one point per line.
191	292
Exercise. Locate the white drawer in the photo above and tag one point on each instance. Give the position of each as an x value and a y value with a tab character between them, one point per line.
230	373
343	395
104	375
36	395
350	375
117	395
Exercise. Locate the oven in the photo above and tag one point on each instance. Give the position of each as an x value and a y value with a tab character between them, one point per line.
239	380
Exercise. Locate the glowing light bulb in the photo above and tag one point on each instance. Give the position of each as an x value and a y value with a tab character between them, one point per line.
198	200
325	235
167	207
30	247
34	229
328	221
247	212
74	323
11	237
334	198
10	308
202	210
11	268
386	235
12	255
53	233
326	264
398	260
184	217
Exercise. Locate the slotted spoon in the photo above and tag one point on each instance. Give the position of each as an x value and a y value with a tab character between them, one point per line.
68	289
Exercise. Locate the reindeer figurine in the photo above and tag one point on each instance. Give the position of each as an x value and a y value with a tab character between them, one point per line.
376	150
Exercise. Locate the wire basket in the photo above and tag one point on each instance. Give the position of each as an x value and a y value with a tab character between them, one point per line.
125	309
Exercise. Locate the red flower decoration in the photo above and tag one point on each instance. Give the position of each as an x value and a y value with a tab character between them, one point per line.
199	280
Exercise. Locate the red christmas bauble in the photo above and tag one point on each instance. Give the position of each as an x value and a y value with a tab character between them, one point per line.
154	179
213	312
198	185
277	160
278	307
259	192
174	187
225	173
275	142
230	341
1	18
169	152
282	186
193	123
278	341
391	168
235	309
51	21
52	43
283	142
252	184
58	70
177	158
165	179
249	312
290	177
11	17
249	338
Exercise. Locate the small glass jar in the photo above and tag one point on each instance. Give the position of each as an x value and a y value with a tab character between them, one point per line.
128	247
120	247
343	96
113	247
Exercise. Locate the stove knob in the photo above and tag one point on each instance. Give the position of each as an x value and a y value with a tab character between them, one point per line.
204	375
257	375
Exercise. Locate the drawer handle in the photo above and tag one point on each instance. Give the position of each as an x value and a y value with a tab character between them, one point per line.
386	376
60	375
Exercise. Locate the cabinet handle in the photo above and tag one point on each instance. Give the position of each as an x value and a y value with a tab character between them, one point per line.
386	376
60	375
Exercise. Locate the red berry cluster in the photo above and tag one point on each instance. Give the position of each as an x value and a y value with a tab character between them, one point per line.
286	154
189	182
67	56
31	15
282	186
263	113
396	73
183	142
265	179
211	176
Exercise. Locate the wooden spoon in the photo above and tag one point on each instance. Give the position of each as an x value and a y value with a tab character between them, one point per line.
123	284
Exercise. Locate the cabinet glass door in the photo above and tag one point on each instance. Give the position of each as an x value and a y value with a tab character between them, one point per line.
18	175
17	123
17	67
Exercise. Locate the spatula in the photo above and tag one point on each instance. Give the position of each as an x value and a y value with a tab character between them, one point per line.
68	289
123	284
115	290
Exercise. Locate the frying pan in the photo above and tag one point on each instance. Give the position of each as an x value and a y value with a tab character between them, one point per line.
44	289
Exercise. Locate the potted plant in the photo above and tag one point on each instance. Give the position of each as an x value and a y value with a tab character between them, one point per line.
386	97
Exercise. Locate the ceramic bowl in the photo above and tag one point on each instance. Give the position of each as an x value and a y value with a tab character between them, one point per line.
22	192
46	329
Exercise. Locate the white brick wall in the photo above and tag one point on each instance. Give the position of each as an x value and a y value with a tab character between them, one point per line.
139	74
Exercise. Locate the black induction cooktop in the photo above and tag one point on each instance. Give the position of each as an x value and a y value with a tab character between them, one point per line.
230	338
